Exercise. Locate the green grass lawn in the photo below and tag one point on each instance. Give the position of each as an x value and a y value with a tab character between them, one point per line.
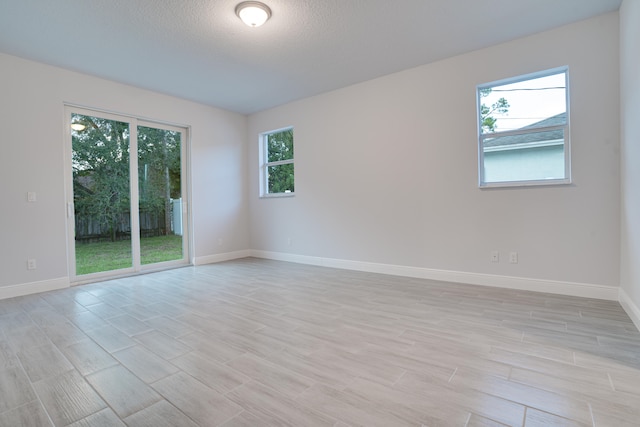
106	256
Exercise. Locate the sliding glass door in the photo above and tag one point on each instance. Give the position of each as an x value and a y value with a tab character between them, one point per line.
160	201
127	212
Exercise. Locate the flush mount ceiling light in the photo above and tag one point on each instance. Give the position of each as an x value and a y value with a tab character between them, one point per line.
253	13
77	126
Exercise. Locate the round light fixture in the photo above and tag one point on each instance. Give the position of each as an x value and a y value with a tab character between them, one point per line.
77	126
253	13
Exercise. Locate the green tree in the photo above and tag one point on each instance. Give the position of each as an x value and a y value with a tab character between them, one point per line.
158	171
101	171
279	148
501	106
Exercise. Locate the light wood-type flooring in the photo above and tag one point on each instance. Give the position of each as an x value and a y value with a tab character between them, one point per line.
264	343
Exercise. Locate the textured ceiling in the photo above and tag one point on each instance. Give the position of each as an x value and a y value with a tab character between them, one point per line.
200	50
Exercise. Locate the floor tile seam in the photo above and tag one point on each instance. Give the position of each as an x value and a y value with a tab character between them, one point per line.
102	399
104	348
275	416
527	353
371	406
588	371
593	418
163	399
474	410
55	346
455	371
36	400
591	396
220	393
238	415
402	374
477	388
268	362
522	424
573	363
582	400
121	363
233	388
565	418
611	382
94	413
9	340
145	346
599	337
355	396
488	416
565	378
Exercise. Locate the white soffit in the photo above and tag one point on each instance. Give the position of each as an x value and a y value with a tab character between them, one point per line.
200	50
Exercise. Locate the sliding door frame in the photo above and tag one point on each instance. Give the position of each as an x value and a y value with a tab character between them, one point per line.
185	190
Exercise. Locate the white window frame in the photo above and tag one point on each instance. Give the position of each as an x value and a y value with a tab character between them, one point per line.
482	183
264	164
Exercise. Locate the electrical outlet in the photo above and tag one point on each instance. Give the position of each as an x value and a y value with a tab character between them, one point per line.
31	196
513	257
495	256
220	241
289	241
31	264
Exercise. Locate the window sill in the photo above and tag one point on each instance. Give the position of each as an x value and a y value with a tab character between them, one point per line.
515	184
276	195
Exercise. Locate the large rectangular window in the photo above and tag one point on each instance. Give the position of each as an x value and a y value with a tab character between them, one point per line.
523	128
277	177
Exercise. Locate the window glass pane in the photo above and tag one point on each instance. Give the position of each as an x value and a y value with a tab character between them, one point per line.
160	198
524	130
525	157
280	146
280	178
101	196
526	104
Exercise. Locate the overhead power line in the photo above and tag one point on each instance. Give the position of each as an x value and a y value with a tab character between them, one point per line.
538	88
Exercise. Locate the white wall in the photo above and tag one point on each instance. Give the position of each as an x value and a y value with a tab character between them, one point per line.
386	170
32	159
630	156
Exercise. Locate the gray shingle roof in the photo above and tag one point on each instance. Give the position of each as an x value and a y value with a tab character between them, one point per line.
528	138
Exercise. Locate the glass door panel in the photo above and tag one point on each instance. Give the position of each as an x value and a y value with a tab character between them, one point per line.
160	194
128	212
101	194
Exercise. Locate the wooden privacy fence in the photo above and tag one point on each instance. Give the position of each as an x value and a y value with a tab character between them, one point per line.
89	228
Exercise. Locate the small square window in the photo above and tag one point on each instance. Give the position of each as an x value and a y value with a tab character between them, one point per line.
523	128
277	169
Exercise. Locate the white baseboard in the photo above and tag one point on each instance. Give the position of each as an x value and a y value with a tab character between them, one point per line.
521	283
585	290
12	291
227	256
630	307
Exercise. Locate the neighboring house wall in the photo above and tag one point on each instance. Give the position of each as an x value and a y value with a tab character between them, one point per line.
386	170
524	164
630	154
32	159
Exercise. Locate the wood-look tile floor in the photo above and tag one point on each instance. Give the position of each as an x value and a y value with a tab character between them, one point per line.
264	343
